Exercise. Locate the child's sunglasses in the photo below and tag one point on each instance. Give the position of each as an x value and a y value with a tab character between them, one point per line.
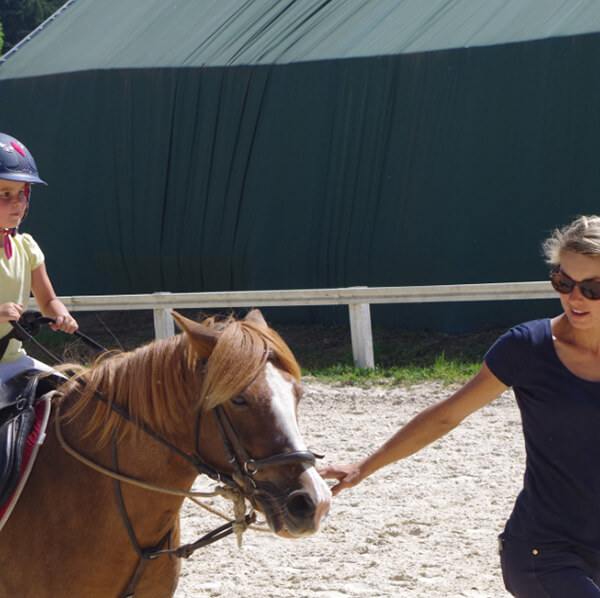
563	284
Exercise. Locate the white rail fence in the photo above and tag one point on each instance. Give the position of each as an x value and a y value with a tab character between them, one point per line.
358	300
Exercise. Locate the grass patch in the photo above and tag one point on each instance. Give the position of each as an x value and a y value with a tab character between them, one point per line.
401	357
325	353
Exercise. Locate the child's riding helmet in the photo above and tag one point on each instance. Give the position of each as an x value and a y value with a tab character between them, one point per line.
16	162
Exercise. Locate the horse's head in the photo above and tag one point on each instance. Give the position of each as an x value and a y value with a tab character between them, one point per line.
248	420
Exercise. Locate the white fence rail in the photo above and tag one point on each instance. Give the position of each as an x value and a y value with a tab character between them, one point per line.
358	300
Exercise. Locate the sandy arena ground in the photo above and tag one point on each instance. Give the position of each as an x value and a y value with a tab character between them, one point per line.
422	528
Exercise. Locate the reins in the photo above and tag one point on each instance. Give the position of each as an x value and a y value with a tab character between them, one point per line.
123	478
29	325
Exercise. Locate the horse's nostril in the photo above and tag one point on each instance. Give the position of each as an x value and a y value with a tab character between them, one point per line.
300	505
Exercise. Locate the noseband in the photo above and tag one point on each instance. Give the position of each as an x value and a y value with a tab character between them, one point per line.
244	467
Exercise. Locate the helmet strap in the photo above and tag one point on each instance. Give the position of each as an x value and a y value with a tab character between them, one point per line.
27	193
11	232
8	232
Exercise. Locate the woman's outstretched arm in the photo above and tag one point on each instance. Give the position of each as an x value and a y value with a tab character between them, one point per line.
429	425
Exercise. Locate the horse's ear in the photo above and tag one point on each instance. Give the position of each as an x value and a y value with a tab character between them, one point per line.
255	316
202	339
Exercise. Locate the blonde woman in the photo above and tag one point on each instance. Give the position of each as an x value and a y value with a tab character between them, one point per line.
551	543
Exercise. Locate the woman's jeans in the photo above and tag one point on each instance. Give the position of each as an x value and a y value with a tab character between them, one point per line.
548	571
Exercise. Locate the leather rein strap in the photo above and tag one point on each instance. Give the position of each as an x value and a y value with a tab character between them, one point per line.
194	459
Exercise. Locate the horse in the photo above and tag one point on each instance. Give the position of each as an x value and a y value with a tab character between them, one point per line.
220	398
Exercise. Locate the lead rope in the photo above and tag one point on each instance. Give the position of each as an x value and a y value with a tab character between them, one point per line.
239	512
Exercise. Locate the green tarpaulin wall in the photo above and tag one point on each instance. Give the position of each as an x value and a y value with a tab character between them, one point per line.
303	145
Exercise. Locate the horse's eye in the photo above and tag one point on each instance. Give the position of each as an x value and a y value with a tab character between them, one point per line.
240	402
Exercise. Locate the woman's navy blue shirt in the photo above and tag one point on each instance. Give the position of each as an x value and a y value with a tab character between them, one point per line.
560	500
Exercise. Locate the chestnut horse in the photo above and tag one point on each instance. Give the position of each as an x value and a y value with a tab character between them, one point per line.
217	398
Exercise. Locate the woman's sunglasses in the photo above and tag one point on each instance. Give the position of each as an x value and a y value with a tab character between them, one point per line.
563	284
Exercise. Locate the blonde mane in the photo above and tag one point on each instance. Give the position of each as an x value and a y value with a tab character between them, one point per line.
164	383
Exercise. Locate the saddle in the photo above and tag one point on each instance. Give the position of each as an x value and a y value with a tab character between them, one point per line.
23	418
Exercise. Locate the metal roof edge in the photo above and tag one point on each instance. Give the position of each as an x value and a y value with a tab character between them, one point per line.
39	28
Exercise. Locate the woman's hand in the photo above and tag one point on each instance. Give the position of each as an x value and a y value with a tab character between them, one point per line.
10	312
346	475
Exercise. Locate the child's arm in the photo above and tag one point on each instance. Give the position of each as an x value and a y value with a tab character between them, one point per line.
49	303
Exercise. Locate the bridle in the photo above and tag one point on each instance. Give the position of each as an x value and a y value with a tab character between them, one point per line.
244	466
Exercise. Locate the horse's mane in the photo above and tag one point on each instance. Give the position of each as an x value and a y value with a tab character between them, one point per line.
162	384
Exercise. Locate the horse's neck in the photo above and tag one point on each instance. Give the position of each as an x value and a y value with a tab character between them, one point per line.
138	457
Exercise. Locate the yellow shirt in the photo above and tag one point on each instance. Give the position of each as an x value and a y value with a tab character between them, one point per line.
15	283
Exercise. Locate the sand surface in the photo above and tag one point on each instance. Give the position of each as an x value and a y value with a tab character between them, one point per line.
425	527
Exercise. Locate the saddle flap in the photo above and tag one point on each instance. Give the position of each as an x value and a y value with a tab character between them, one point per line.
13	437
17	416
23	458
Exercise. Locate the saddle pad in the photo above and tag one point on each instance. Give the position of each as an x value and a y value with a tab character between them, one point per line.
34	441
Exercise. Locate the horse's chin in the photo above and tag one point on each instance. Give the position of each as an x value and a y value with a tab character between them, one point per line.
283	533
295	513
293	534
286	529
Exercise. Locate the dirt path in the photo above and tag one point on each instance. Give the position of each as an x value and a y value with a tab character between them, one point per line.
422	528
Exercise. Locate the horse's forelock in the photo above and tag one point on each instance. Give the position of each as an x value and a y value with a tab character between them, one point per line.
239	356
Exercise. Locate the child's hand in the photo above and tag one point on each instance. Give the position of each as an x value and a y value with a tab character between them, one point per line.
10	312
66	323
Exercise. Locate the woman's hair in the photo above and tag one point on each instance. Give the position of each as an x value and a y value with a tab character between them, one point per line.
581	236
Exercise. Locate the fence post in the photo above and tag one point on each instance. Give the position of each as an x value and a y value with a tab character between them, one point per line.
164	326
361	334
163	323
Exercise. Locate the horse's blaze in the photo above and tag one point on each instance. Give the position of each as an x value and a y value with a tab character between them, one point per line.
301	511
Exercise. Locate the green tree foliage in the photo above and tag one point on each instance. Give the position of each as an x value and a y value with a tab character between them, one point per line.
1	39
21	17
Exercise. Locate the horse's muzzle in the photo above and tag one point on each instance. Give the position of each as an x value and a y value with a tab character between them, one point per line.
300	512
